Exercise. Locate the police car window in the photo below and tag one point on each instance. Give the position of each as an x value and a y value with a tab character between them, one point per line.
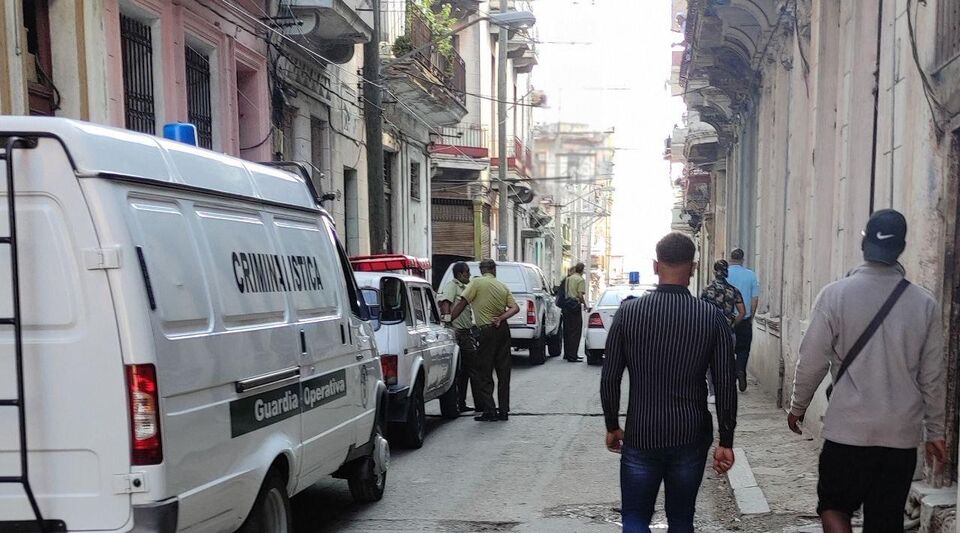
612	298
416	298
432	307
393	301
357	304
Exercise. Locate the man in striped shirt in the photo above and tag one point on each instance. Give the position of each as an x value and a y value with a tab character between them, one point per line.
667	340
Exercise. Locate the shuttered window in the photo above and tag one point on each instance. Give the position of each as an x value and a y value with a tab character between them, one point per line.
199	105
136	48
948	30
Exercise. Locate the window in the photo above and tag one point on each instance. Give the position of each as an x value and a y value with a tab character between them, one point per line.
199	105
357	304
136	50
42	94
415	181
512	277
416	298
948	31
351	208
432	307
388	159
249	131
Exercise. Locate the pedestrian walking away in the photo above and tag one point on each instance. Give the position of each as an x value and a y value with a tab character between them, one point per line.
463	328
492	304
745	280
667	340
881	339
575	287
726	297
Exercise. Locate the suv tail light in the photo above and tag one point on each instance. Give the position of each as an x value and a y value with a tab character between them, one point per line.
531	312
388	363
595	321
144	415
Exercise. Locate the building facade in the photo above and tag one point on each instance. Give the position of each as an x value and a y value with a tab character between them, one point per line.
576	162
465	203
803	117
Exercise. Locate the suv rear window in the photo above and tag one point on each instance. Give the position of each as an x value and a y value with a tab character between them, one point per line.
512	277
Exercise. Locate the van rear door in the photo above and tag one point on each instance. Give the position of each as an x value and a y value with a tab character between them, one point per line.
76	406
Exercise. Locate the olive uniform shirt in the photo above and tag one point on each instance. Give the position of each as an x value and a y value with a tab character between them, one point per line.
489	298
452	292
576	286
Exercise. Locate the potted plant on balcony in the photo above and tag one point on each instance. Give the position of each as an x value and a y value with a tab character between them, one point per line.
440	20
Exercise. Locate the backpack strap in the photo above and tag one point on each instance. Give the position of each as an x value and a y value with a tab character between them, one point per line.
871	329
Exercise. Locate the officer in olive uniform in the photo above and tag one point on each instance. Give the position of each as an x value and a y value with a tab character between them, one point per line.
493	304
450	294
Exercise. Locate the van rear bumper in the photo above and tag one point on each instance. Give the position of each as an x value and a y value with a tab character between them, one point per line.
158	517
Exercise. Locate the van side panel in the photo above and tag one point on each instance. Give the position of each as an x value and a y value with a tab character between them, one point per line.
76	400
221	318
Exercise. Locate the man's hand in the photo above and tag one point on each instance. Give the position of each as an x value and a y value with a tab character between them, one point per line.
794	421
937	455
615	441
497	321
723	460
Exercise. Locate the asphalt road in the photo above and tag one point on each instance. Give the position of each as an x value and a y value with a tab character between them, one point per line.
546	469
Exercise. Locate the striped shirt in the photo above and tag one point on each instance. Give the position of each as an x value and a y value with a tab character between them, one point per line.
667	340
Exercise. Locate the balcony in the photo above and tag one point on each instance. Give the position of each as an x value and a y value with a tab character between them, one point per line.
519	159
428	83
331	26
460	153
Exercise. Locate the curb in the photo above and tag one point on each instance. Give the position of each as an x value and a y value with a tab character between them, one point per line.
746	491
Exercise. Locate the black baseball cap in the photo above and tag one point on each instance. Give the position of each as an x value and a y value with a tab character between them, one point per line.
885	236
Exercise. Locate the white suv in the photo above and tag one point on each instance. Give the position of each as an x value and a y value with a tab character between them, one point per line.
419	356
537	326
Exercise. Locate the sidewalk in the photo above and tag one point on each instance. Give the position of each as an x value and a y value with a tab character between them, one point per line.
775	483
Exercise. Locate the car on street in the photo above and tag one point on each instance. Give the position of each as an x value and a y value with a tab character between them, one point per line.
601	316
418	354
184	346
537	326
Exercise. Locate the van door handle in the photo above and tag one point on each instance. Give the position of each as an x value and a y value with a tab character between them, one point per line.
360	356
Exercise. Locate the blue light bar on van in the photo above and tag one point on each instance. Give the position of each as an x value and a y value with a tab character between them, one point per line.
634	278
181	131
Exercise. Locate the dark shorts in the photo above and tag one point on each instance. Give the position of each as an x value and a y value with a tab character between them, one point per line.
877	478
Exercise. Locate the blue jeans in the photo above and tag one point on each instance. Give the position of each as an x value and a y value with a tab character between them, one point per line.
680	469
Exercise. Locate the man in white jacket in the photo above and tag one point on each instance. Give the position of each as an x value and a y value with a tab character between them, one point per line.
891	398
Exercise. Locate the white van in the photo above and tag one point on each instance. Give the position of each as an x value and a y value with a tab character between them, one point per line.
194	345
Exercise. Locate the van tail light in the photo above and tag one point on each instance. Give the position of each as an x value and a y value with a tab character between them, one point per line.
531	312
388	363
595	321
144	415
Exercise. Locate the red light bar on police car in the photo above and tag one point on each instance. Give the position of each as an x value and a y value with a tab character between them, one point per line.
388	263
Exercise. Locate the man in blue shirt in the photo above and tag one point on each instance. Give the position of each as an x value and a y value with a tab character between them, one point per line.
746	282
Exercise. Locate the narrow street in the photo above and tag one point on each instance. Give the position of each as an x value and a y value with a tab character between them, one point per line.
546	469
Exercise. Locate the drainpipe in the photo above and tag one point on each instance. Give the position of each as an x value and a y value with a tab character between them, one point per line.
477	227
876	109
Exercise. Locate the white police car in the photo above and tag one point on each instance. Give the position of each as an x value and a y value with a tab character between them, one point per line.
418	355
601	316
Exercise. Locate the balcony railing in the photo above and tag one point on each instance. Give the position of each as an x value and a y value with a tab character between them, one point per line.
465	140
403	18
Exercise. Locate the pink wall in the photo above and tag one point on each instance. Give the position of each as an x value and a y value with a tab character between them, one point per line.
232	42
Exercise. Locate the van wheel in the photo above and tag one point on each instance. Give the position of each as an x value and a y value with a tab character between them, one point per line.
449	402
415	429
367	481
538	350
271	511
555	343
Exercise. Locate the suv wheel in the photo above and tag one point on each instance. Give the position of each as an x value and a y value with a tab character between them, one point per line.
555	343
449	402
538	350
414	430
271	510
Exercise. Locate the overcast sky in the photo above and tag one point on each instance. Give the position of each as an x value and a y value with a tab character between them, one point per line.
628	48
